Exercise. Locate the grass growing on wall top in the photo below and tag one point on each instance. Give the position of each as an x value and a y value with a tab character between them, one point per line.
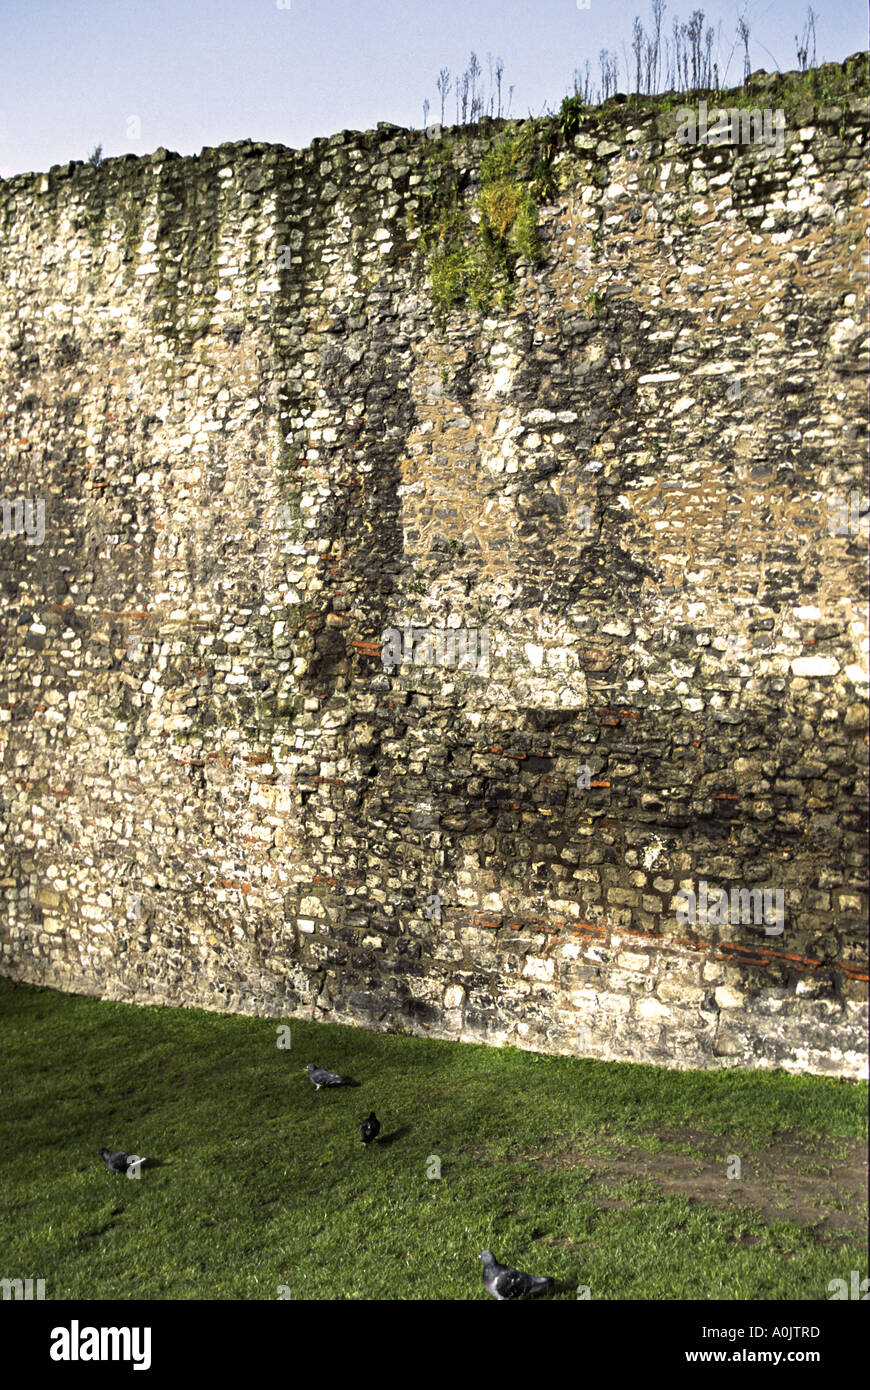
474	240
824	86
262	1182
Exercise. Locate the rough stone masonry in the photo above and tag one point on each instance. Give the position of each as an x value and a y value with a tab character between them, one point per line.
259	447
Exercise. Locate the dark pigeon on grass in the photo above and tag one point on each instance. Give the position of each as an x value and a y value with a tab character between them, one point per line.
117	1161
318	1077
370	1128
504	1282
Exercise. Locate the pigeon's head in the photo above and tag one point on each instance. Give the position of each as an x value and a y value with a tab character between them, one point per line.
102	1152
487	1256
311	1067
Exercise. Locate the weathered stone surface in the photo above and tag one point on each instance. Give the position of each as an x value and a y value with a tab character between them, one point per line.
258	448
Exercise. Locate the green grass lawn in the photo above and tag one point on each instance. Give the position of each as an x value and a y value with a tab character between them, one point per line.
608	1175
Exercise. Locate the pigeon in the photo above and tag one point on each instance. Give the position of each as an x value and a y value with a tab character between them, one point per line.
318	1077
504	1282
117	1161
370	1128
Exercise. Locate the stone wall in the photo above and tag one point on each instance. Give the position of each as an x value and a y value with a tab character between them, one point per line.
258	447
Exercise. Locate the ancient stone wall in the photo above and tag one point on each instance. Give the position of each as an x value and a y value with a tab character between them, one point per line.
242	764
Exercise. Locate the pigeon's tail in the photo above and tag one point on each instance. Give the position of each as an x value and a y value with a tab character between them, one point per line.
541	1282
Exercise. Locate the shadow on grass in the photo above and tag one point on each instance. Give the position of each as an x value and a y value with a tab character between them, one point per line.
385	1140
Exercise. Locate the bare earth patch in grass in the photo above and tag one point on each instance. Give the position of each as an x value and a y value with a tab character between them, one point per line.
812	1180
777	1182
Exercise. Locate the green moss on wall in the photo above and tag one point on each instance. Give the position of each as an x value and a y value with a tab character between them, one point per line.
473	245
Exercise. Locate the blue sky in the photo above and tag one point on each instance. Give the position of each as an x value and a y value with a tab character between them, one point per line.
136	74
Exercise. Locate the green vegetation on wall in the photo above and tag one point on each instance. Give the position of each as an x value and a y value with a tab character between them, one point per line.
473	244
473	248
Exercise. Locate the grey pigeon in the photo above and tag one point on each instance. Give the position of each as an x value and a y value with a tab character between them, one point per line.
370	1128
318	1077
117	1161
504	1282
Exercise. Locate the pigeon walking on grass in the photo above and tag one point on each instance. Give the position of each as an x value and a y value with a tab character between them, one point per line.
504	1282
370	1128
117	1161
318	1077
